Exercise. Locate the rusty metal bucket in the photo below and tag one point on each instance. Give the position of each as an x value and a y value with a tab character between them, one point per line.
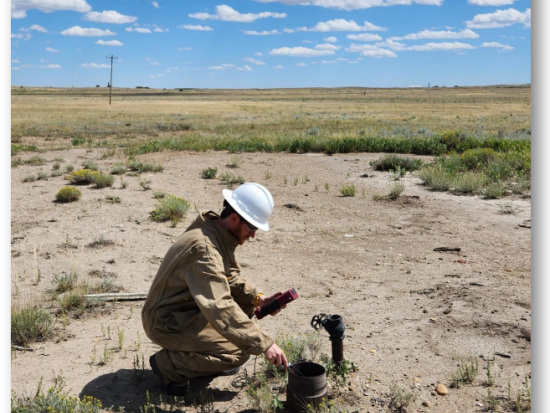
307	385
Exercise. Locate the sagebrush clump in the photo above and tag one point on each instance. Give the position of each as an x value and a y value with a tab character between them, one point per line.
68	194
170	208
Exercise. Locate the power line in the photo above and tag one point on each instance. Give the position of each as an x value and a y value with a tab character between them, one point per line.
111	83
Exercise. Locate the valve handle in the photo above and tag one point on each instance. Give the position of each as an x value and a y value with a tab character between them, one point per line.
318	321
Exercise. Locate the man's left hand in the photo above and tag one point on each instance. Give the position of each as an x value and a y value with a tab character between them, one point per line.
265	300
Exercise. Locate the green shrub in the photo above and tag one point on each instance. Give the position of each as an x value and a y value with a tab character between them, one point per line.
29	325
494	191
523	184
90	165
436	178
144	167
68	194
394	162
64	282
102	181
118	169
209	173
81	176
55	400
348	190
452	164
105	285
29	178
499	168
56	172
42	176
396	189
56	166
230	179
159	194
470	183
69	168
170	208
478	158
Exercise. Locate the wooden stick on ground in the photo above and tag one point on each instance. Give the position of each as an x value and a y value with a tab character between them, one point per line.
117	296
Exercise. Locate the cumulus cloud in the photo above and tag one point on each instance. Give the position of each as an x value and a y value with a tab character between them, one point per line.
301	64
109	16
342	25
498	45
95	65
258	54
87	32
252	60
52	50
327	46
228	14
109	43
246	68
24	36
330	39
329	62
36	27
49	66
262	33
300	52
19	7
445	46
288	30
392	44
155	4
500	18
159	30
354	4
184	49
370	50
491	2
154	64
138	29
195	27
278	67
431	34
364	37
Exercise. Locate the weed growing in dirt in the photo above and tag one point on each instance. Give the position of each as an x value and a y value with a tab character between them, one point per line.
56	399
118	169
42	176
103	286
399	398
327	187
262	399
316	188
393	162
56	166
145	184
490	380
235	161
69	168
64	282
170	208
144	167
268	175
285	179
120	334
437	178
396	189
81	176
469	183
348	190
89	165
159	194
508	209
523	184
100	241
29	178
106	357
230	180
139	368
102	180
296	180
209	173
494	191
113	199
339	373
466	373
56	173
68	194
29	325
123	184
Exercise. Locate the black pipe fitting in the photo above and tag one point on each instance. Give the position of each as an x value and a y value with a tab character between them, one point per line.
335	327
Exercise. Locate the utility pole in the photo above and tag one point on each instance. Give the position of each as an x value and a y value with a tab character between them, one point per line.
111	83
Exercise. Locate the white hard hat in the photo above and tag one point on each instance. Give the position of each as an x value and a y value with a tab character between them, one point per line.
253	202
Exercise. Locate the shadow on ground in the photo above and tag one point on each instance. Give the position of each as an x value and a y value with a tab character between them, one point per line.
122	389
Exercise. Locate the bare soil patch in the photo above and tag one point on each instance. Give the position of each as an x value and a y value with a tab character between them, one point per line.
411	313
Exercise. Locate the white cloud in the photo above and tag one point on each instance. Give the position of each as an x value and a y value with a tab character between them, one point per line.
278	67
342	25
262	33
109	16
195	27
354	4
288	30
155	4
95	65
430	34
15	61
138	29
307	41
370	50
159	30
258	54
228	65
49	66
19	7
155	76
327	46
500	18
256	62
52	50
246	68
301	64
329	62
24	36
88	32
154	64
36	27
330	39
445	46
342	59
491	2
300	52
392	44
228	14
217	68
499	45
364	37
109	43
184	49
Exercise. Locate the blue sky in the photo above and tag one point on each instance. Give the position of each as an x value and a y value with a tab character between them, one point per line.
270	43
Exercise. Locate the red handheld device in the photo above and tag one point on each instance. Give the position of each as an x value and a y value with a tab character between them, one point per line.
277	303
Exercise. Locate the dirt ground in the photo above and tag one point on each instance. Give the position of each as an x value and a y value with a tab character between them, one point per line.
411	313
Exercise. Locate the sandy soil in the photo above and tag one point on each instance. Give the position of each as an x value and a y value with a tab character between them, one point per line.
411	313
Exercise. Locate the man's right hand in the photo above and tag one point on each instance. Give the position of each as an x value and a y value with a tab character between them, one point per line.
276	356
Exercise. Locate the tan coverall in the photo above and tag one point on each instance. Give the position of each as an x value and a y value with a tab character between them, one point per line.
199	307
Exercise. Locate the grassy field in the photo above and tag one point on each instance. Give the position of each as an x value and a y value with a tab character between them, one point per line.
61	118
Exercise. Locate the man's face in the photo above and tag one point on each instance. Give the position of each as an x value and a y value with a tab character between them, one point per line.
244	231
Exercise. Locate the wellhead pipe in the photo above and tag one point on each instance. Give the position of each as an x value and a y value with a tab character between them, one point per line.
335	327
